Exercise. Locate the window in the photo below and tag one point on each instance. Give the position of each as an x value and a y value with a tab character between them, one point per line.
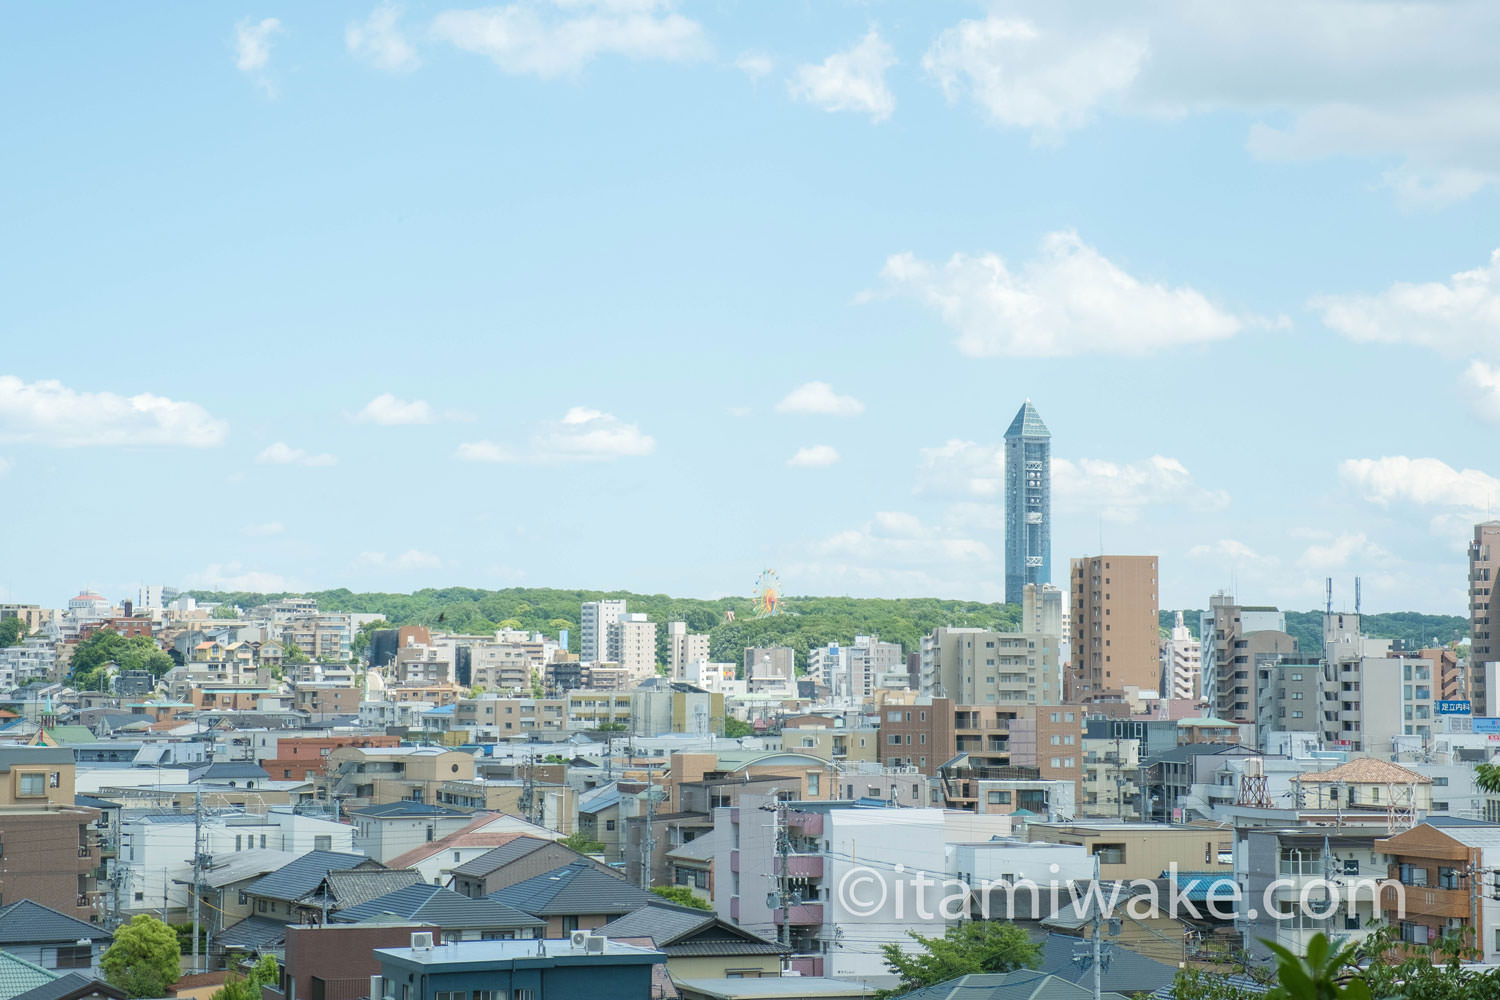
451	995
999	798
33	784
238	846
323	842
525	994
262	841
260	906
72	956
1109	854
1447	878
489	994
609	824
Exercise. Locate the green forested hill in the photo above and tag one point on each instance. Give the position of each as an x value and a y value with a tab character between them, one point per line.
807	621
1414	629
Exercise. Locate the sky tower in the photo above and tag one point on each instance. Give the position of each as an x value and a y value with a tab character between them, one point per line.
1028	503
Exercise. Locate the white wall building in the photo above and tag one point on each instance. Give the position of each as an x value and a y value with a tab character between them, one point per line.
1181	663
593	632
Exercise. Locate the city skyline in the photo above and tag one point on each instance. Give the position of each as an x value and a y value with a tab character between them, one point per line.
359	296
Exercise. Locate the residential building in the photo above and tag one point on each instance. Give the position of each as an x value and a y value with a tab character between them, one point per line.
633	641
361	776
522	858
55	941
1484	632
385	831
34	616
1116	630
1143	850
851	673
1028	503
459	918
1276	865
336	961
919	735
520	970
683	647
578	896
974	666
593	632
1233	638
699	945
49	845
1111	771
770	667
1437	868
1181	664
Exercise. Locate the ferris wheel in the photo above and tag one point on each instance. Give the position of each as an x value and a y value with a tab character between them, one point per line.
767	594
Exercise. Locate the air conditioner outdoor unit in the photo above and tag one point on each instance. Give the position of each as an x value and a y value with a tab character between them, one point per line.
421	941
595	944
579	939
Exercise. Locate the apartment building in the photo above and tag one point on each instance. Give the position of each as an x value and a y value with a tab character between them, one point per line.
683	648
593	632
920	734
1181	664
1111	773
633	641
1437	868
363	776
770	667
851	673
34	616
1115	627
50	849
1233	638
1484	633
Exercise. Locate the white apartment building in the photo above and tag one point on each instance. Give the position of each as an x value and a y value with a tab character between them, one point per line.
633	639
683	648
851	673
593	631
1181	663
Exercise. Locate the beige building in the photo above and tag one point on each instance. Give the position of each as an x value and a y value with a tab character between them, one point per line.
1144	850
1366	785
633	638
683	647
1484	570
975	666
1111	772
833	744
33	616
1116	630
365	776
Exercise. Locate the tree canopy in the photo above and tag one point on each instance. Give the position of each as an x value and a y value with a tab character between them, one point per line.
236	987
145	958
682	896
972	947
108	646
12	631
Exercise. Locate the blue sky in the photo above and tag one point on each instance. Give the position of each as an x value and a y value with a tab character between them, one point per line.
627	294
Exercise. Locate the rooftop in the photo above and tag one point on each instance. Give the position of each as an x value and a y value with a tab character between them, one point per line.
1027	423
483	953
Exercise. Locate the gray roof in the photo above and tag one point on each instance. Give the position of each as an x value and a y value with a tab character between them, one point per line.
433	904
253	934
300	877
501	856
1187	751
34	755
74	984
576	889
1124	970
600	798
223	770
404	808
1021	984
683	931
236	866
700	848
343	889
25	922
1028	423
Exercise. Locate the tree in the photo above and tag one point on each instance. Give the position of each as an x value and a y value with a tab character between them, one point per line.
106	646
972	947
734	728
582	843
12	631
681	895
292	653
263	973
1487	777
145	958
224	611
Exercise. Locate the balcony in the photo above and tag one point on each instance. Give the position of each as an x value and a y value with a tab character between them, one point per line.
807	965
734	908
734	860
804	865
810	824
800	914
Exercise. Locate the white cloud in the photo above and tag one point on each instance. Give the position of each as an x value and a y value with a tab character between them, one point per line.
378	40
1426	482
819	398
900	539
263	530
962	468
1068	300
1480	383
1340	551
1120	491
234	576
252	49
389	411
1393	82
281	453
49	413
1227	549
853	80
817	456
411	559
1456	317
483	451
582	435
560	38
1030	78
754	64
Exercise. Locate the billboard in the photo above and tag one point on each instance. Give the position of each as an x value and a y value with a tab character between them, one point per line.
1453	708
1486	724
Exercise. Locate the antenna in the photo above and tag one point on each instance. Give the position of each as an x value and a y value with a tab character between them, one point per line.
1329	604
1356	595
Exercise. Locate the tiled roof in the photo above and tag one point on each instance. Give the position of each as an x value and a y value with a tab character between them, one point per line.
576	889
253	934
1368	770
300	877
74	984
236	866
517	847
25	922
447	909
343	889
1127	971
471	834
700	848
18	976
682	931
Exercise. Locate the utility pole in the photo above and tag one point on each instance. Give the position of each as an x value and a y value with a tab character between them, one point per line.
648	842
197	868
783	849
1098	921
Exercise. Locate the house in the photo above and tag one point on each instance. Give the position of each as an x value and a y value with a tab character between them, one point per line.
341	890
225	902
555	969
49	843
482	834
1367	784
288	895
73	986
391	828
576	897
1124	971
460	918
55	941
692	865
523	857
1020	984
789	988
335	961
1439	895
18	976
698	944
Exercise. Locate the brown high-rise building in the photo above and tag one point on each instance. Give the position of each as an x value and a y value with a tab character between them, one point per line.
1116	629
1484	568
